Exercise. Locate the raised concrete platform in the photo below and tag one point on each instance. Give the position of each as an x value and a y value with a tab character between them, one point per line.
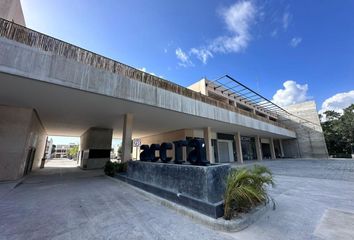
198	187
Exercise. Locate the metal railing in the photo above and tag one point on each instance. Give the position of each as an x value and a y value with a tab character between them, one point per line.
231	87
29	37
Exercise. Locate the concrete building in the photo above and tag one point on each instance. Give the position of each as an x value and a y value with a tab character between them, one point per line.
49	149
68	91
62	150
12	10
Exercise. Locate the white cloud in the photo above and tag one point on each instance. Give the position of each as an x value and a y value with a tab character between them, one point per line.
286	20
291	93
338	102
295	41
238	19
183	58
201	54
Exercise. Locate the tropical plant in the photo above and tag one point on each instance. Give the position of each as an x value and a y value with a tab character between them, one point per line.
338	130
246	189
121	167
72	153
110	168
113	167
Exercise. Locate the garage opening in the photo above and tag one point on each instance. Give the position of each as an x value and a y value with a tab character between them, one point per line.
65	151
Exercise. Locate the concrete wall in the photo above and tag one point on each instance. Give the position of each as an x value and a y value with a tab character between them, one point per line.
199	87
22	60
165	137
20	129
11	10
37	138
291	148
96	138
310	141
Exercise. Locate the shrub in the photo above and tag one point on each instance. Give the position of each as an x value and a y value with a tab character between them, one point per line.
121	167
113	167
110	168
245	189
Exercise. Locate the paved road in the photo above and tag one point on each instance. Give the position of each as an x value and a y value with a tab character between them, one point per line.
67	203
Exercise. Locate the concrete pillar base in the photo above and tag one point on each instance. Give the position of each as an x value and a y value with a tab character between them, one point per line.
207	140
258	148
127	137
272	150
238	148
95	147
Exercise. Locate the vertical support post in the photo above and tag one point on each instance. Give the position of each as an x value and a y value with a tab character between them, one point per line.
272	150
127	137
207	140
258	148
239	154
281	148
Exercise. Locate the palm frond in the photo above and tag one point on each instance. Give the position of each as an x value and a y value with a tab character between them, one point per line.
246	188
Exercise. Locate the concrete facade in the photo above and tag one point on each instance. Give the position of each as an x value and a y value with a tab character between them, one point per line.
97	91
12	11
127	137
54	69
166	137
303	118
22	142
310	142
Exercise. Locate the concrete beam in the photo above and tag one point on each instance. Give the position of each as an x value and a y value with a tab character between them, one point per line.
258	148
207	140
127	137
272	150
239	154
67	72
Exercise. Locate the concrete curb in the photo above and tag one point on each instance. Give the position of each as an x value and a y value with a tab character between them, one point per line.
221	224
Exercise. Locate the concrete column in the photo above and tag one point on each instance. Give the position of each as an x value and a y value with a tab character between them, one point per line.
207	140
258	148
97	140
272	150
127	137
281	148
237	138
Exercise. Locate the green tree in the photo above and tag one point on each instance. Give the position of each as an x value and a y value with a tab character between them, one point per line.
72	153
338	130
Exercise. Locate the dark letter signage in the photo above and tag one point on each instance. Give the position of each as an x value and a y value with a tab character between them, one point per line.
196	157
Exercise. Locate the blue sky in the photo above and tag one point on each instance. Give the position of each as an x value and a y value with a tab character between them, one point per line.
289	51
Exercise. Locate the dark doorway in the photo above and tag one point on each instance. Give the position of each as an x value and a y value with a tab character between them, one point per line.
266	151
248	148
29	160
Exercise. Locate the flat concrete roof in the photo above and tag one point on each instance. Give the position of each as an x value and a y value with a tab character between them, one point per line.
69	112
73	89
